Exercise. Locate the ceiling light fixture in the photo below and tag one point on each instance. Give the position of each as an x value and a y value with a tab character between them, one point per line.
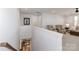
76	10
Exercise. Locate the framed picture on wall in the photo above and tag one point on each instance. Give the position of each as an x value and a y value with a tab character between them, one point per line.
26	21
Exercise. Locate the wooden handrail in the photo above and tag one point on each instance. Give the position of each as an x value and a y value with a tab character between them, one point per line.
7	45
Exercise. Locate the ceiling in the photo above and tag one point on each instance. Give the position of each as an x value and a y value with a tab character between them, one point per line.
59	11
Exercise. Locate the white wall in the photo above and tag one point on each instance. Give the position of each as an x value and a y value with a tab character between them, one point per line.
25	32
45	40
34	21
22	16
69	20
50	19
9	26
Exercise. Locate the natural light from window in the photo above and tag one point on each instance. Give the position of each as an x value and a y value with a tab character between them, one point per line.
75	21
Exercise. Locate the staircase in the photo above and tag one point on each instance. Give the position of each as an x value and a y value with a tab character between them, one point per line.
26	45
8	46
